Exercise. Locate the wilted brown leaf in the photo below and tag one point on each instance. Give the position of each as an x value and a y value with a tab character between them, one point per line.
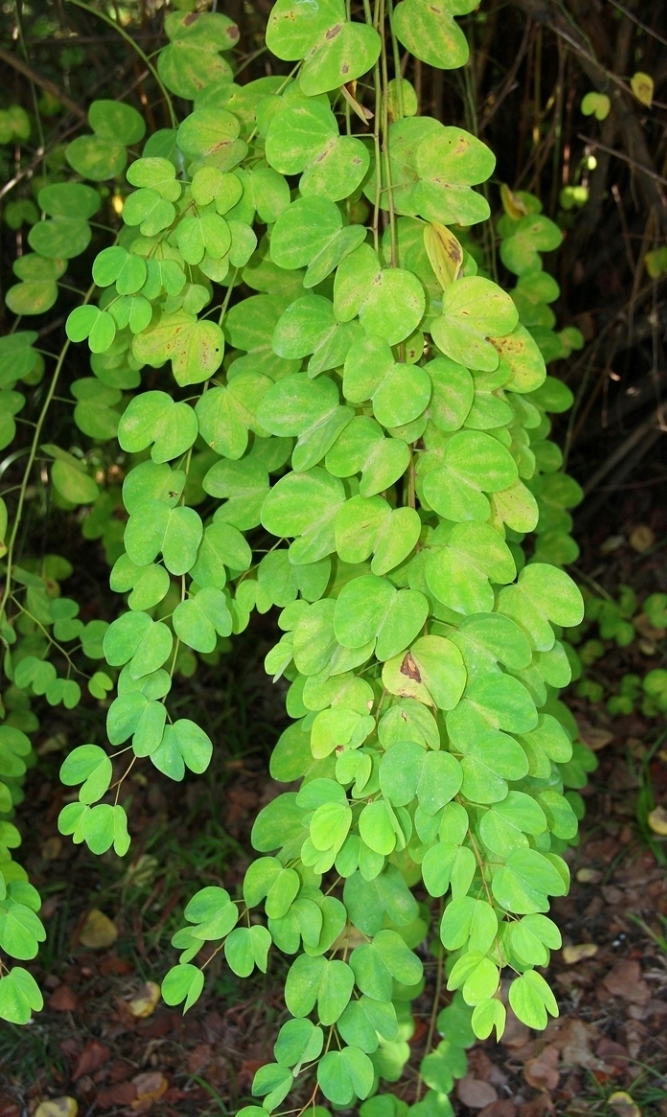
63	999
150	1088
98	931
541	1072
625	980
93	1056
474	1093
502	1108
52	848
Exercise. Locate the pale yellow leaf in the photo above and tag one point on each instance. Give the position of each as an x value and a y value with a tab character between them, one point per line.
444	252
642	87
641	538
98	931
657	820
623	1104
57	1107
579	951
589	876
512	204
145	1003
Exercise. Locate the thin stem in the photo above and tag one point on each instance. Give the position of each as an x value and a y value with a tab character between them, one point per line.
135	46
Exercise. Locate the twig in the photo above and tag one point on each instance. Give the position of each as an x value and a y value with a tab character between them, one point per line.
626	158
49	86
644	26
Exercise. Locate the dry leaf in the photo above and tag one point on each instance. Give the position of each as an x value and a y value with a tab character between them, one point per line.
623	1104
573	1039
646	629
52	848
594	736
657	820
642	87
642	537
93	1056
63	999
150	1087
577	953
625	980
502	1108
57	1107
474	1093
98	931
611	543
145	1004
541	1072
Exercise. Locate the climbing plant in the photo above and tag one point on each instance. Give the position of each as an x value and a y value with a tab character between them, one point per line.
349	422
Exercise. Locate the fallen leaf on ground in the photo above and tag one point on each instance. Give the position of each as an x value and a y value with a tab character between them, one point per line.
573	1038
625	980
197	1058
641	538
595	737
52	848
123	1093
502	1108
623	1104
657	820
98	931
541	1072
57	1107
474	1093
144	1004
93	1056
150	1087
63	999
579	951
588	876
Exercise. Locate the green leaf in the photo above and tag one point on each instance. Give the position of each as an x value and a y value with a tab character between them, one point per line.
531	998
199	620
473	310
304	506
542	594
153	527
183	983
407	770
194	346
299	1041
96	157
430	33
60	238
69	199
19	996
334	50
183	745
400	393
344	1075
474	463
523	883
431	671
70	478
90	766
460	573
448	164
136	639
247	947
